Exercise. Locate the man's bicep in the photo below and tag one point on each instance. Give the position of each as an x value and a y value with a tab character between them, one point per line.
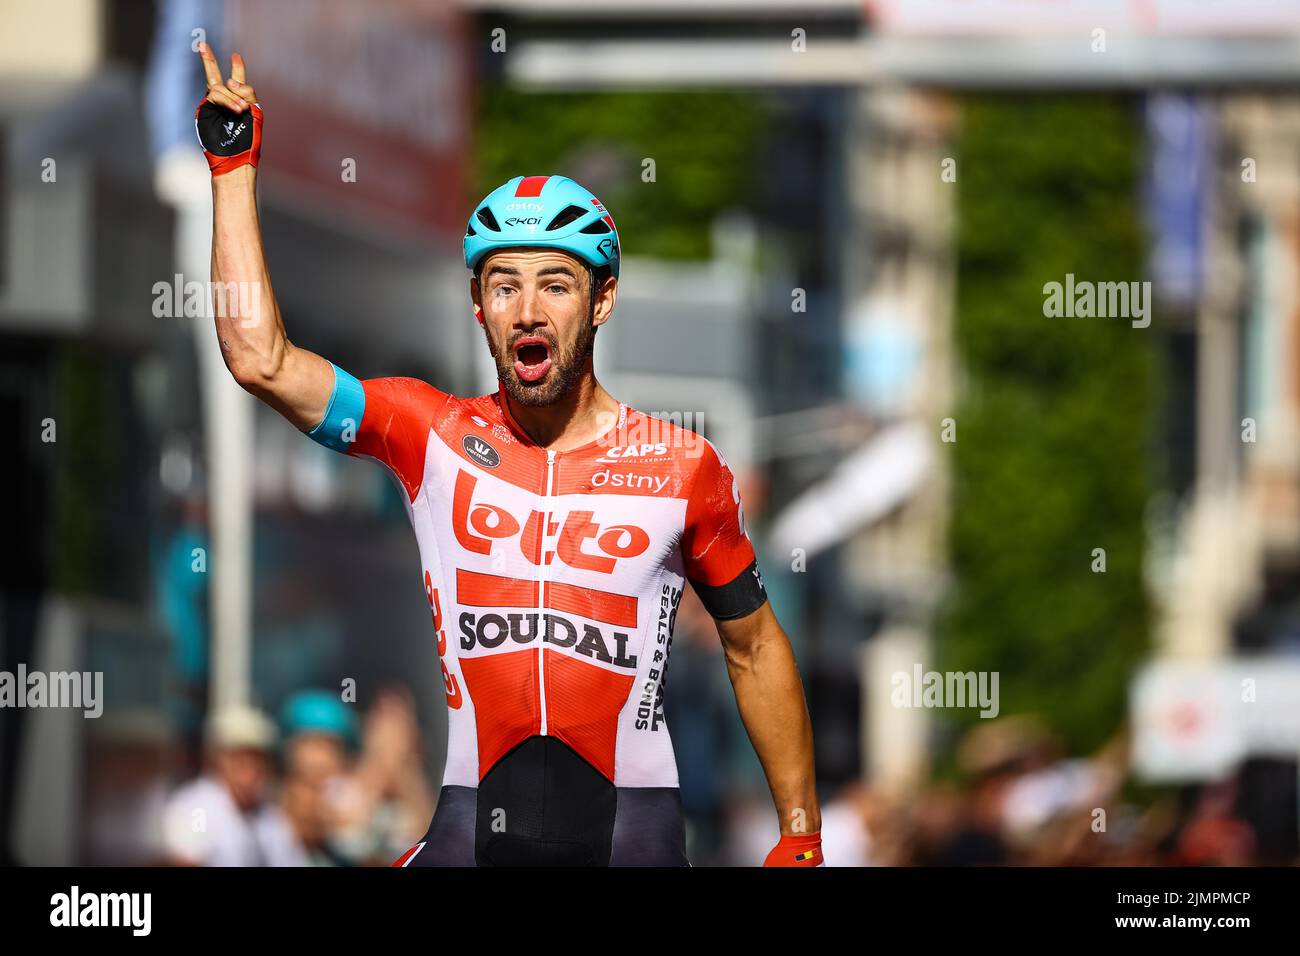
300	390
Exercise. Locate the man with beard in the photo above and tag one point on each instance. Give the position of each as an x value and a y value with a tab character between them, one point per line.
557	528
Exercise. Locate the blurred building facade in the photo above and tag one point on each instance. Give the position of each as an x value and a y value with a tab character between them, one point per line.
815	346
109	340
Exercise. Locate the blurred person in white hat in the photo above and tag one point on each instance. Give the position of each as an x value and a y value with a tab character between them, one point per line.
225	817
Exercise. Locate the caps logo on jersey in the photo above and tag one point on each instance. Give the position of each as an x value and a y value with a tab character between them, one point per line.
481	451
621	453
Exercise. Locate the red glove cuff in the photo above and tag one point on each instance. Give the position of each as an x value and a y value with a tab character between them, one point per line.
803	849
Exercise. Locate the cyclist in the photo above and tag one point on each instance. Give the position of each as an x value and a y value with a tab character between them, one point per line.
557	528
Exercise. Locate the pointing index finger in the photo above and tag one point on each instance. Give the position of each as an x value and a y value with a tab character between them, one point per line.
210	68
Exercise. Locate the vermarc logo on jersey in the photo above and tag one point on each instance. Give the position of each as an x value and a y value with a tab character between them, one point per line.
481	451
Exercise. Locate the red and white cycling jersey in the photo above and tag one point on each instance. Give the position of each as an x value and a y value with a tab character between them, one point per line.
553	577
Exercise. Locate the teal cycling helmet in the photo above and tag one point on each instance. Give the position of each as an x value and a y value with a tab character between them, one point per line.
545	212
319	711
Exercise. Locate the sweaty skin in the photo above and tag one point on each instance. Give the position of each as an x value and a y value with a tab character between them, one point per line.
539	293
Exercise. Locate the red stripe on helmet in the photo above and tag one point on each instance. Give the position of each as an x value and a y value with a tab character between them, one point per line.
530	186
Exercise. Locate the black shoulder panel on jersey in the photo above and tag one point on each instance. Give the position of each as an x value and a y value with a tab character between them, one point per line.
743	595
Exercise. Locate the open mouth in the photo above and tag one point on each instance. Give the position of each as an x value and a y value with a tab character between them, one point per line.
532	358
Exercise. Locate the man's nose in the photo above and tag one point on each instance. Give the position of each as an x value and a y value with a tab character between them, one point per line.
530	310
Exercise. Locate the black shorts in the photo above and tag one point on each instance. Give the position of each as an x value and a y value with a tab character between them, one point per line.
543	805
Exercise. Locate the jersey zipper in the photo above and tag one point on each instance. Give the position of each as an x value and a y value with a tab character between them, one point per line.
541	589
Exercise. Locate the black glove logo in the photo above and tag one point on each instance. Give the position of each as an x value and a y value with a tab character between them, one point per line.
220	134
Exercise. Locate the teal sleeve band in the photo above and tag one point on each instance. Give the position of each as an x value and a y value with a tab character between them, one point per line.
343	415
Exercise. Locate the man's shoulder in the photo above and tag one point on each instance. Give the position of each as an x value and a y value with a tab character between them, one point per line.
404	391
417	401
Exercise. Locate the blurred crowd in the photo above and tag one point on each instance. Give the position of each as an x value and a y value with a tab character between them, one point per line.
333	783
1022	802
321	788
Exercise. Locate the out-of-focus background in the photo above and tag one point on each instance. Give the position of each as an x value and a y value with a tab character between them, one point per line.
841	222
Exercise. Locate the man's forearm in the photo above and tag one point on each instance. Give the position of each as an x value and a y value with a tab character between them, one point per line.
770	698
248	324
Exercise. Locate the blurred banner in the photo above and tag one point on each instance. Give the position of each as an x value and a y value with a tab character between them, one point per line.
1030	18
370	104
1195	721
1081	43
1178	129
867	485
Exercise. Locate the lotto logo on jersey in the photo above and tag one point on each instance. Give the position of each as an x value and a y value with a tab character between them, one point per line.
478	525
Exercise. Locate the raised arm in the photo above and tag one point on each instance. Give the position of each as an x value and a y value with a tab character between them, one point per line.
295	382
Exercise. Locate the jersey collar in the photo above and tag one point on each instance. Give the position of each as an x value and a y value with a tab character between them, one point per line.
503	409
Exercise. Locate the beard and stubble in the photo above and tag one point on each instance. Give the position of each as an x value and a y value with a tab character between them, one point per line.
568	364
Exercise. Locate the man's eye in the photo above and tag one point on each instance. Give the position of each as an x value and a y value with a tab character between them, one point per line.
555	286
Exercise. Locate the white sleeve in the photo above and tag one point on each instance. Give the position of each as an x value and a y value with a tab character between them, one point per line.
187	827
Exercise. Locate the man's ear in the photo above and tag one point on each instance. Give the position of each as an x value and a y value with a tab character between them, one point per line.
609	285
476	298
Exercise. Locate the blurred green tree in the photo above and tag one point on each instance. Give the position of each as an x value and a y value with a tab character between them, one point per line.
701	143
1051	456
